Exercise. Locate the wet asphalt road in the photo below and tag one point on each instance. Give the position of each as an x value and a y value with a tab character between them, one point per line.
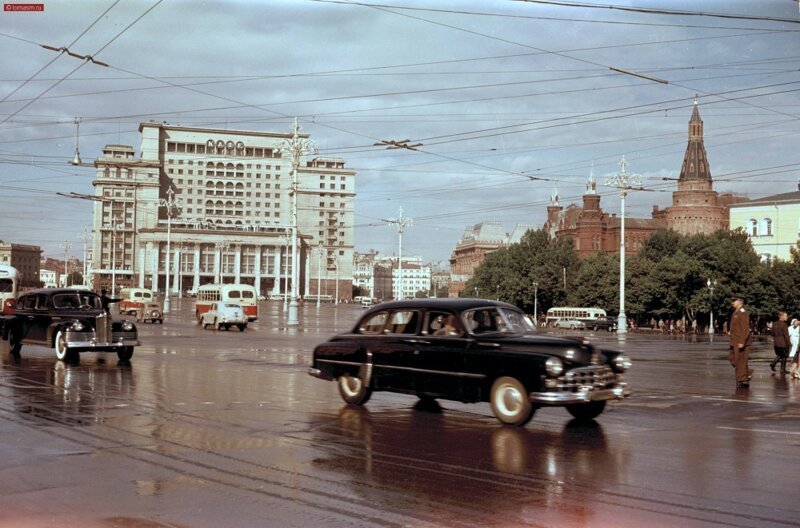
216	429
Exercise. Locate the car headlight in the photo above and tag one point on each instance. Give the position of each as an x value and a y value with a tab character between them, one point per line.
554	367
127	326
621	363
77	326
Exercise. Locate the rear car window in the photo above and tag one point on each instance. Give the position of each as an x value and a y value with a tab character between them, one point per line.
403	322
373	324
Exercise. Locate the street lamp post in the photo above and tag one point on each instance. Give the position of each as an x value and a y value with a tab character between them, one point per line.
623	182
319	271
287	239
85	236
114	227
65	246
169	202
336	263
401	224
711	285
536	303
296	148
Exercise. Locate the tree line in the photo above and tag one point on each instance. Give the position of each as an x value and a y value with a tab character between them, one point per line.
667	279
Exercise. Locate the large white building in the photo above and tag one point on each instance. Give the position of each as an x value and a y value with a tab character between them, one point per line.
234	218
772	223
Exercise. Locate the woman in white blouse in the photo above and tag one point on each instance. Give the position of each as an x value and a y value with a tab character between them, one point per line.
794	338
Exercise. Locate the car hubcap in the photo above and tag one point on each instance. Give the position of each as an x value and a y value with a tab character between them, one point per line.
510	400
351	385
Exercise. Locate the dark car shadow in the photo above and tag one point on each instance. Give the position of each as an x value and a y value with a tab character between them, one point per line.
467	461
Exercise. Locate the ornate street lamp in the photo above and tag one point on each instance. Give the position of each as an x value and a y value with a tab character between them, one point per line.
623	182
711	285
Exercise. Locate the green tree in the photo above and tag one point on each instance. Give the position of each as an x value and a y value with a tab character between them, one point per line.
597	283
537	266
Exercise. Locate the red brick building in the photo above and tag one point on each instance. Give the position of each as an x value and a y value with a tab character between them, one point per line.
696	208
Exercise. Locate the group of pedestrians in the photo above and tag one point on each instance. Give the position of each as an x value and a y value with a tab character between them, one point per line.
785	341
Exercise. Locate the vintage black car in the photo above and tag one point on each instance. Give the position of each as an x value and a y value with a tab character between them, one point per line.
470	350
70	321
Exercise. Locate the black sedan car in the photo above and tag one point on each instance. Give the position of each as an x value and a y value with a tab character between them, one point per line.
70	321
470	350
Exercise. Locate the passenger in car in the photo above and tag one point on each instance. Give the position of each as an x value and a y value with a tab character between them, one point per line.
448	327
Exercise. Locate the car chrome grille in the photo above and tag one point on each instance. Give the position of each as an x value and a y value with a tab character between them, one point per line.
103	328
595	377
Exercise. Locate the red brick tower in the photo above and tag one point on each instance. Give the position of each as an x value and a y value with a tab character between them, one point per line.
695	205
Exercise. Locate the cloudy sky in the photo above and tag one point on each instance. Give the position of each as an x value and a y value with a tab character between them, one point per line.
510	99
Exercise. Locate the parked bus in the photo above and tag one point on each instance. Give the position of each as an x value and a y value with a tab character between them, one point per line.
592	317
243	294
133	300
9	288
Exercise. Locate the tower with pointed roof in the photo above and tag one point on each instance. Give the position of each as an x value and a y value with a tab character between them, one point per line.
696	207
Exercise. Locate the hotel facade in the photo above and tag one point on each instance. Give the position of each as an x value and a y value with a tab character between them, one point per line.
232	219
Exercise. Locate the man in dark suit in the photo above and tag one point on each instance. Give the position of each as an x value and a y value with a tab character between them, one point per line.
740	340
781	341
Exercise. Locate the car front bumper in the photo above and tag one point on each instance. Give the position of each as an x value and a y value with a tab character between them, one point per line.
582	395
88	340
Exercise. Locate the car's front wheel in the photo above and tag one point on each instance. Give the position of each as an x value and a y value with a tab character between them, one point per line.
14	341
62	350
353	390
125	354
587	411
242	327
510	402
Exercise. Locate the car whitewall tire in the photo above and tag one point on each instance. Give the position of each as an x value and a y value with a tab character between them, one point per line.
510	402
353	390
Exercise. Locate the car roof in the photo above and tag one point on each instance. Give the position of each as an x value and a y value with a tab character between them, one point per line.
56	291
451	304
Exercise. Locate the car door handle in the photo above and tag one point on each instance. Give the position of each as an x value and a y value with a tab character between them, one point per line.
416	341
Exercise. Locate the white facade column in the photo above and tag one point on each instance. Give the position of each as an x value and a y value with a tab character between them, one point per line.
276	286
257	270
196	283
308	276
155	249
142	262
176	269
218	264
237	263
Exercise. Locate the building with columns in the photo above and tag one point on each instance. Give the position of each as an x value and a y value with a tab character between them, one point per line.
233	221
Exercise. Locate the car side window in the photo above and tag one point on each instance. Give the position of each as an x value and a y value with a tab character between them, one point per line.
373	324
482	321
441	324
41	302
28	302
234	294
403	322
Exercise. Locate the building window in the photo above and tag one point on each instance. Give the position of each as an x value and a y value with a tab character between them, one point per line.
753	227
766	226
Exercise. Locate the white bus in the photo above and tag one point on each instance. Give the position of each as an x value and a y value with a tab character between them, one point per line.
9	288
242	294
591	317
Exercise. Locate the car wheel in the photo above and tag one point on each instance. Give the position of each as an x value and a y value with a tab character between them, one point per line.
353	390
572	327
217	326
510	402
125	354
586	411
242	327
14	341
62	350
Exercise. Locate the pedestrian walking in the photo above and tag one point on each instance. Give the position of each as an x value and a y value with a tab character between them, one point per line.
794	337
740	340
781	341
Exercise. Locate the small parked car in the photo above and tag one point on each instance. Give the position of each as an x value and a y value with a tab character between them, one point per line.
572	324
224	315
150	312
70	321
470	350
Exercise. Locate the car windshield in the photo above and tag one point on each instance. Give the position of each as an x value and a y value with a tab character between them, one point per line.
496	320
73	301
